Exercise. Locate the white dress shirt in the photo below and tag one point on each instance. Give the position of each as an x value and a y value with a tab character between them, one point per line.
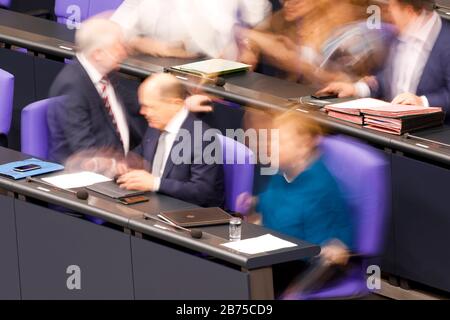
203	26
116	107
410	56
165	144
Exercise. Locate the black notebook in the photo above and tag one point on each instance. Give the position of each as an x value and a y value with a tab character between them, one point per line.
112	190
196	217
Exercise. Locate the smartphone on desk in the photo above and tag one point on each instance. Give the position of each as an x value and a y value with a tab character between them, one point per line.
324	96
133	200
27	168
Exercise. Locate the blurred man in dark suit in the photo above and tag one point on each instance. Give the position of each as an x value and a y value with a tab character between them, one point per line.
96	111
418	69
175	163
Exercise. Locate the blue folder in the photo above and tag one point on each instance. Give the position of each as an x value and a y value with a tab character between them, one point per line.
7	170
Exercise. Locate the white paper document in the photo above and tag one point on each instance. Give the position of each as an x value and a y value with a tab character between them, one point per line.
76	180
261	244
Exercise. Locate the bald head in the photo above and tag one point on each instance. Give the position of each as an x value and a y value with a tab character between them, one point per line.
165	85
161	97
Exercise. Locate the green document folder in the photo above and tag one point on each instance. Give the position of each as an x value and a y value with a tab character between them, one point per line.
213	67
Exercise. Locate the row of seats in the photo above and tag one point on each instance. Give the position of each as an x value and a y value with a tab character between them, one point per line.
352	163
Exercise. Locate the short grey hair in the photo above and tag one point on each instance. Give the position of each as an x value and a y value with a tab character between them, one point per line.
96	33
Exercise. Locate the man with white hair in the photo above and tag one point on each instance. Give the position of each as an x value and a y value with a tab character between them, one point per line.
96	111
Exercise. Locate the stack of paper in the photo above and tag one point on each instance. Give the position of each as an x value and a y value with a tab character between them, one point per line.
76	180
261	244
383	116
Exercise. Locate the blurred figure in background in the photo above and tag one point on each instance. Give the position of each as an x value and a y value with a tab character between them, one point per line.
318	41
418	69
303	200
97	112
187	29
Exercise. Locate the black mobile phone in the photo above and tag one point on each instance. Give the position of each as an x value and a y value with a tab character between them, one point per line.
133	200
26	168
325	96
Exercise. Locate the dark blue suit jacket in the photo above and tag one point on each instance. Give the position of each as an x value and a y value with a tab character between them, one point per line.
81	122
201	184
435	80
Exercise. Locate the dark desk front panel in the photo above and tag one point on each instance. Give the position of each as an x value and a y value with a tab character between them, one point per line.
50	242
9	267
422	221
164	273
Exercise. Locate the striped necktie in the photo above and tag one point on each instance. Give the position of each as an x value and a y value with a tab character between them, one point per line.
104	83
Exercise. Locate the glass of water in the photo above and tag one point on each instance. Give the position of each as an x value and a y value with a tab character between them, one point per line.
235	229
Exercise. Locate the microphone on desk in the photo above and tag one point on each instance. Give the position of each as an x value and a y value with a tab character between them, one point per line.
81	194
196	234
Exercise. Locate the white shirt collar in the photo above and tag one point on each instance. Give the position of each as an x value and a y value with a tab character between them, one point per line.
425	29
177	121
93	73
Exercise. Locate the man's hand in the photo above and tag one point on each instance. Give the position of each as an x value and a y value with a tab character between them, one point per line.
342	89
199	103
139	180
408	99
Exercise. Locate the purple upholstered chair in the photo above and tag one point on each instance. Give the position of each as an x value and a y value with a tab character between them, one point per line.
34	128
35	133
6	102
238	171
5	3
76	10
99	6
362	173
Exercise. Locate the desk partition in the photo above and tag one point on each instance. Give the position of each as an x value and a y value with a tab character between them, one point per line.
9	265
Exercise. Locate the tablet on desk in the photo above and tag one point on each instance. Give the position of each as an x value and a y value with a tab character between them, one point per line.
196	217
112	190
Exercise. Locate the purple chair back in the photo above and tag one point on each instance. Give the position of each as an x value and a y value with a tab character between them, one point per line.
362	173
6	101
238	171
5	3
34	128
75	9
99	6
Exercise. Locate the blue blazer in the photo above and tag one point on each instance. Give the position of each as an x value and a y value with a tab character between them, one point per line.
81	122
435	80
201	184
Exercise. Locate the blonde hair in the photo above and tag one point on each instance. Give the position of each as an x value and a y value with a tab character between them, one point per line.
301	124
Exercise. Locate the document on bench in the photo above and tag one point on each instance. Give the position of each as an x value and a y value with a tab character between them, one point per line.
261	244
76	180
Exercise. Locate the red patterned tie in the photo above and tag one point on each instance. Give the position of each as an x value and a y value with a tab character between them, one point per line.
104	94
